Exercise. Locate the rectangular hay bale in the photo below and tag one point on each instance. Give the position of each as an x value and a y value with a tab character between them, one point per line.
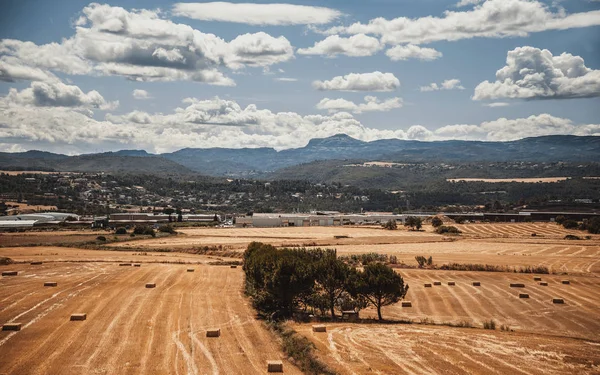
517	285
451	283
319	328
11	327
35	263
537	278
427	285
437	283
190	270
213	332
78	316
137	265
543	283
274	366
523	295
50	283
559	301
566	282
125	264
476	283
233	266
10	273
406	304
151	285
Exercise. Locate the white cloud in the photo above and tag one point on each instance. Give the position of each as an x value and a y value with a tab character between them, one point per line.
496	104
491	19
410	51
141	46
286	79
532	73
57	94
257	14
376	81
356	45
140	94
371	104
449	84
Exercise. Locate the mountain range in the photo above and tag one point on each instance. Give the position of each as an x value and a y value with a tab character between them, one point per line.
263	161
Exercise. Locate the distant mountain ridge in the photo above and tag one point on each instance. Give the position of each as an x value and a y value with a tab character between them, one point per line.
259	161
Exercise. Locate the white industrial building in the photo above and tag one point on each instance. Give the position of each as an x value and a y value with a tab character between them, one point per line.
29	220
314	219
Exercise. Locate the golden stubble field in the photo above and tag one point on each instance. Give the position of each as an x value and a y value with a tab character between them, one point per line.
134	330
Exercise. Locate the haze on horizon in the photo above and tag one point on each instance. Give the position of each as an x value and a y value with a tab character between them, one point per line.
83	77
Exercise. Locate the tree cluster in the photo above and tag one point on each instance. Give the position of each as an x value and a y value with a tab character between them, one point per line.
284	281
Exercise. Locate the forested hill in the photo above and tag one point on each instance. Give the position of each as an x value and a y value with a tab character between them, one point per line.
258	161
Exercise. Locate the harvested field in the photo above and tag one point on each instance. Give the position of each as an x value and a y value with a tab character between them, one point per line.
416	349
130	329
532	180
516	230
495	299
49	238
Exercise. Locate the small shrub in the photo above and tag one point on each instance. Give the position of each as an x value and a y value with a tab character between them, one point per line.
167	229
459	220
4	261
505	328
447	229
572	237
560	219
436	222
144	230
489	325
390	225
570	224
121	230
101	238
421	260
132	235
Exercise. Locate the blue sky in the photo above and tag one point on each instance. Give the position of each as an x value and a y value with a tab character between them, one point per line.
262	74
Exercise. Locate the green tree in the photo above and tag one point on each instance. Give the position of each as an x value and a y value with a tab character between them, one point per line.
331	277
413	222
381	286
390	225
436	222
169	211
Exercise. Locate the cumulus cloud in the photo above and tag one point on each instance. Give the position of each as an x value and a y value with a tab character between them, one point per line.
491	19
140	94
465	3
224	123
57	94
371	104
496	104
257	14
410	51
449	84
356	45
533	73
376	81
140	45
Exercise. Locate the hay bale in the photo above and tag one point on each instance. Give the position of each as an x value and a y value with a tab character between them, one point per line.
35	263
213	332
233	266
451	283
517	285
190	270
274	366
566	282
137	265
437	283
543	283
78	316
427	285
319	328
559	301
406	304
125	264
50	283
151	285
523	295
10	273
11	327
476	283
537	278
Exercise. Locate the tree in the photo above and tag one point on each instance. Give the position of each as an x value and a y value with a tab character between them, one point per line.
179	215
421	260
391	225
169	211
381	286
436	222
413	222
331	276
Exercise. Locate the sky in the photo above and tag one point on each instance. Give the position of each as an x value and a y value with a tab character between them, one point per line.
79	77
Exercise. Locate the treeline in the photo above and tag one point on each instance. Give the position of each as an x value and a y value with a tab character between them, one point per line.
283	282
